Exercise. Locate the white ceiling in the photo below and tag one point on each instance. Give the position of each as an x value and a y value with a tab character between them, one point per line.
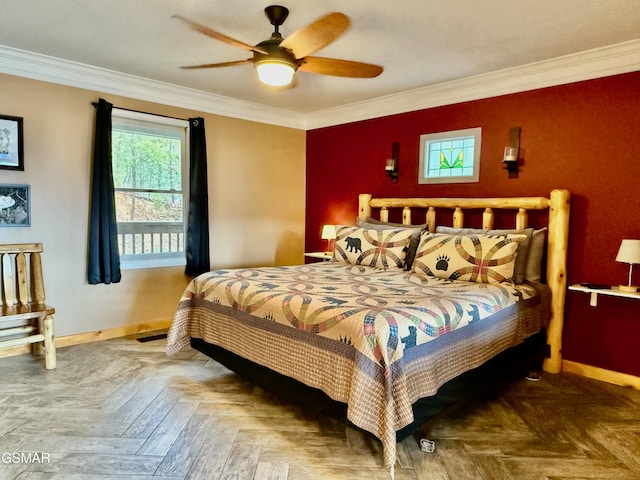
418	42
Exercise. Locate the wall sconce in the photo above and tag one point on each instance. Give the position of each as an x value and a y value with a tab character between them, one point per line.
629	253
510	159
328	234
391	165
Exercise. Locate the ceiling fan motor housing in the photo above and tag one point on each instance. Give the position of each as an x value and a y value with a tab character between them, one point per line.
276	53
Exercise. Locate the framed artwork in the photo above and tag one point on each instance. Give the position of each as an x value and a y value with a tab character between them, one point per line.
11	143
15	205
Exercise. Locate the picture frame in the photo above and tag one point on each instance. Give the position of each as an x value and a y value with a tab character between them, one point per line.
15	205
11	143
450	157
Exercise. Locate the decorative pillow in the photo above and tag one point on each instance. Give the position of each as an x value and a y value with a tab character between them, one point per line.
380	249
523	251
523	246
472	258
533	270
374	224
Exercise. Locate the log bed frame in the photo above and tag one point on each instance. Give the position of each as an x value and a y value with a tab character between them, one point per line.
544	347
557	240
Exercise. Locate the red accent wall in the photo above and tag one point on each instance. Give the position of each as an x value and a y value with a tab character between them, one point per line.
584	137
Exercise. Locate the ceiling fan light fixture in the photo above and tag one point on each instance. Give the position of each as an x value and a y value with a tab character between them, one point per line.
276	73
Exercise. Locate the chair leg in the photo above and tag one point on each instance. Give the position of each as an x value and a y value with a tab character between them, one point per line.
37	348
49	343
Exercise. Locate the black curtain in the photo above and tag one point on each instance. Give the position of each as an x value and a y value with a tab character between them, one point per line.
198	222
104	258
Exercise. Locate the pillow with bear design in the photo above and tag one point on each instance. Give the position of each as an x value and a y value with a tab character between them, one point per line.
472	258
523	247
374	224
380	249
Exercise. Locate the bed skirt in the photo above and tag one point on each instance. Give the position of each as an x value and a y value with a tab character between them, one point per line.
511	363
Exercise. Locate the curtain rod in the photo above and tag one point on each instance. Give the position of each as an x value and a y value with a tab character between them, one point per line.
95	104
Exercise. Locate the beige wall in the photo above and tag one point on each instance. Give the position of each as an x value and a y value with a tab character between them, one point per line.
256	202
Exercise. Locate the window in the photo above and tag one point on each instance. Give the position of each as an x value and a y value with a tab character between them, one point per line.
149	165
450	157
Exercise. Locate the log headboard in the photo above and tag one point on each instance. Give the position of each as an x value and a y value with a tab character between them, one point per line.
558	205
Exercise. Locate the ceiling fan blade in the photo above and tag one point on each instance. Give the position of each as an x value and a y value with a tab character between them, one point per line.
219	36
339	68
217	65
317	34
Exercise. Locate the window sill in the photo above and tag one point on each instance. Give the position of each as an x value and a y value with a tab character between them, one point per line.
151	263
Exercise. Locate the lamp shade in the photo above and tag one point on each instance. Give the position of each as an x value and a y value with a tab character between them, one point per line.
629	252
275	73
328	232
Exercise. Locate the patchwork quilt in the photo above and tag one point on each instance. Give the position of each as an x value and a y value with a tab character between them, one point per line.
377	340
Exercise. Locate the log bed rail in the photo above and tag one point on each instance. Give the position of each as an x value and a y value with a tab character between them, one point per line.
557	240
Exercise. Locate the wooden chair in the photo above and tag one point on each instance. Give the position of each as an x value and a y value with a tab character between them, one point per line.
24	316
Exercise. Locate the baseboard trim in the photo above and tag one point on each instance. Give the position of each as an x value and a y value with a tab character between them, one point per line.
95	336
596	373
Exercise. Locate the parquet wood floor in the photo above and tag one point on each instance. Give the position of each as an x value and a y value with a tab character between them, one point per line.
121	409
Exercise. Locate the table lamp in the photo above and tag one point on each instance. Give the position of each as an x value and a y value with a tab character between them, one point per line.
629	253
328	234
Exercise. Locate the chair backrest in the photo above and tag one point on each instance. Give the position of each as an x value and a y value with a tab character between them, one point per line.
21	279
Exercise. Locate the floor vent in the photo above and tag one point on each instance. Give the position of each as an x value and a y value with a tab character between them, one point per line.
151	338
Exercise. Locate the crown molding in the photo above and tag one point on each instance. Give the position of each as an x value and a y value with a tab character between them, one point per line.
600	62
55	70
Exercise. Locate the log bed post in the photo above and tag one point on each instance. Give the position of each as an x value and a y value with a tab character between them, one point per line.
364	206
557	274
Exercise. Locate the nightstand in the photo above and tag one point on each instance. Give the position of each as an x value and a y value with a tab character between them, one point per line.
326	256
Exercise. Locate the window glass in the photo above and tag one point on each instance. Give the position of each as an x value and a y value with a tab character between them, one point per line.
148	158
450	157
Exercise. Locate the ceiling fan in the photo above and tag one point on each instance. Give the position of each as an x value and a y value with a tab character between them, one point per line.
277	59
